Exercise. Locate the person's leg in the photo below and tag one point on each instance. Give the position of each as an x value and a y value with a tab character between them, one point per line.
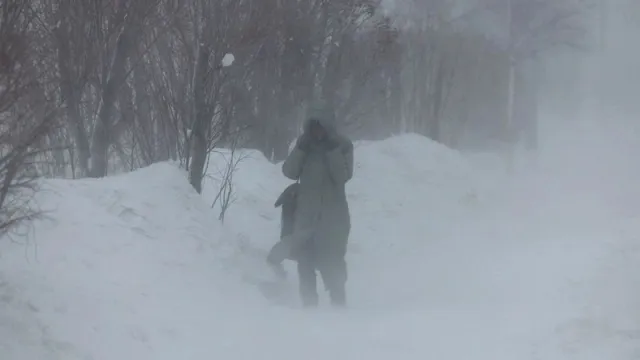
334	276
276	256
307	277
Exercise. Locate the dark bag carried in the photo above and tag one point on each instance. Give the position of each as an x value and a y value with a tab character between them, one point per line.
287	200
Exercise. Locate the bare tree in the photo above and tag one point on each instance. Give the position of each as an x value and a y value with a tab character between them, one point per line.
534	27
216	35
93	43
225	178
76	57
142	81
25	116
125	26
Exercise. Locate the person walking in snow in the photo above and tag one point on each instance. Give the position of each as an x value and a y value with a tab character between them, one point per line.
322	163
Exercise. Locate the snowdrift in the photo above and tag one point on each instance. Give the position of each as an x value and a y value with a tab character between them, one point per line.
125	260
137	266
403	185
113	254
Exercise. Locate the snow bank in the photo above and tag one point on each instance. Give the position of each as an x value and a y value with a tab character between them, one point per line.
118	261
137	266
402	185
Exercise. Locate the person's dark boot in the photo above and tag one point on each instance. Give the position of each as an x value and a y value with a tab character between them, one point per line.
276	266
308	284
279	270
338	297
308	292
309	301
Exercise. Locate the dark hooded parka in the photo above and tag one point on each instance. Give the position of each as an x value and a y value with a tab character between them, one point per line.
322	169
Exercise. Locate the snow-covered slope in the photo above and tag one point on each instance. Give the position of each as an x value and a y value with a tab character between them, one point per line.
137	266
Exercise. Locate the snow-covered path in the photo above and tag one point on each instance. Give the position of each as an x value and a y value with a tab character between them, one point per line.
137	267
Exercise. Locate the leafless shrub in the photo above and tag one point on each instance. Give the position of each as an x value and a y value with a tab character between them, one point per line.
25	117
226	192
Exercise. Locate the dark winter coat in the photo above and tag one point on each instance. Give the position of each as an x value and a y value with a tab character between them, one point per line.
322	212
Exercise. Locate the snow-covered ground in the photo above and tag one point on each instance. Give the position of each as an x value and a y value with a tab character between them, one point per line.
447	261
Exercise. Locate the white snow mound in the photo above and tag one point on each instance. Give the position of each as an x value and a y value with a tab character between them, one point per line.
137	266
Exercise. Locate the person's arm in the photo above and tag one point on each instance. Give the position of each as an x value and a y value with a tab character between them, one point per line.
292	166
340	163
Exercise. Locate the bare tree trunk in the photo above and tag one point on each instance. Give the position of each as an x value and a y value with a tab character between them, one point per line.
79	131
509	130
202	121
530	109
439	97
71	93
103	131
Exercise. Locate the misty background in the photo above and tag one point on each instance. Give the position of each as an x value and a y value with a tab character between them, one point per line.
109	86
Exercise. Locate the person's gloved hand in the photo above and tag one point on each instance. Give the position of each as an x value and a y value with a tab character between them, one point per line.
329	144
304	143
